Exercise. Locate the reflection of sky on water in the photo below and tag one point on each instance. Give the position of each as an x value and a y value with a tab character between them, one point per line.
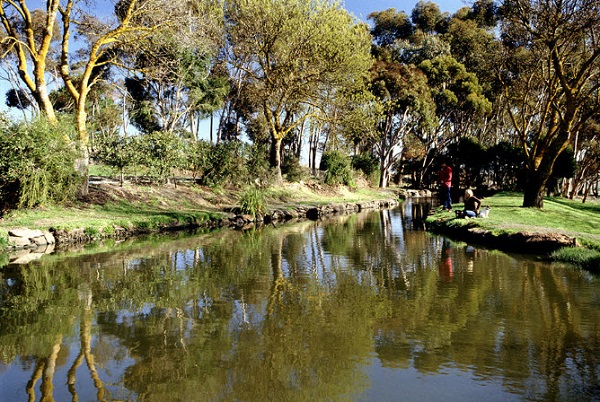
447	385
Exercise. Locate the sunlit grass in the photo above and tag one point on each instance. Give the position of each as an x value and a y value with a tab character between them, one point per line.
579	256
102	218
559	215
570	217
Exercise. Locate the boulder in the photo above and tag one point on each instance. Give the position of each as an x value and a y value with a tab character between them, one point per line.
25	233
18	242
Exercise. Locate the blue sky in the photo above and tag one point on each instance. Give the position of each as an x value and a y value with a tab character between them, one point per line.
362	8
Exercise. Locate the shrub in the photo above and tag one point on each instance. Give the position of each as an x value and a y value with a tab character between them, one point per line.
292	169
214	165
338	168
252	202
257	163
161	151
366	163
198	157
37	164
369	165
115	151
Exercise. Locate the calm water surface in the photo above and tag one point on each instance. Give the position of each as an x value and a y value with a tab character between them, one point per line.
359	308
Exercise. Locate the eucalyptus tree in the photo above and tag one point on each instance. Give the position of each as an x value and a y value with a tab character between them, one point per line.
427	17
390	25
27	38
460	103
98	44
587	153
429	46
550	77
173	83
404	102
290	55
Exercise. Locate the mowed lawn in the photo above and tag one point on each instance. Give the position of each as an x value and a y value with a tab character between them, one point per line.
559	215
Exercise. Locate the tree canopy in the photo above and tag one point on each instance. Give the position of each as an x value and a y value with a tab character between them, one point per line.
406	91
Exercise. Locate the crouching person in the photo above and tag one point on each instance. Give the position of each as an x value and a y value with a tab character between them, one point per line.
472	204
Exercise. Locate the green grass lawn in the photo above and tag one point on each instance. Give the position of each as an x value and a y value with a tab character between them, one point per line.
570	217
559	215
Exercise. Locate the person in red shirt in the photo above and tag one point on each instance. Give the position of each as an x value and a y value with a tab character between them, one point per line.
445	179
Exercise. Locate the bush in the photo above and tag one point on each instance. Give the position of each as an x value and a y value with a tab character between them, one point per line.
338	168
252	202
115	151
37	164
292	169
257	163
161	151
369	165
214	165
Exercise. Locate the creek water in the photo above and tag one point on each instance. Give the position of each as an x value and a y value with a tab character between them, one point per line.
363	307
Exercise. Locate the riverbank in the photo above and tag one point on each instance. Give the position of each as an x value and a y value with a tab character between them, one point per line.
564	230
114	211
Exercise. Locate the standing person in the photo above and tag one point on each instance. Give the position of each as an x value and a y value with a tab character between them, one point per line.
472	205
445	179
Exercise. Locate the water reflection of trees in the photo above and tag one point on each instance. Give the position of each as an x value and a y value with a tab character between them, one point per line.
292	312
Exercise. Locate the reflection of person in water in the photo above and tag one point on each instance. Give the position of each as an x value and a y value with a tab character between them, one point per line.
446	269
471	253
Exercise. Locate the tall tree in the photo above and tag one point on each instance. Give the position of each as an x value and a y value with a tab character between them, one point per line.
27	38
550	75
460	104
287	53
405	101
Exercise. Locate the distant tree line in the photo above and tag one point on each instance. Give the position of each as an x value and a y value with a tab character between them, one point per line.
506	91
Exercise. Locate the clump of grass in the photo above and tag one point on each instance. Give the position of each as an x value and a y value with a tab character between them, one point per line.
583	257
108	230
91	231
3	238
252	202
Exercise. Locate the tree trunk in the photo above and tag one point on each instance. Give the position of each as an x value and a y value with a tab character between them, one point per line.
82	165
534	190
276	157
383	178
45	103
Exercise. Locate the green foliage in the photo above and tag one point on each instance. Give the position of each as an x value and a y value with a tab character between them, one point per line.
3	238
37	164
91	231
108	230
214	165
198	157
365	162
252	202
115	150
299	49
338	168
470	155
161	151
257	163
292	169
507	163
586	258
369	165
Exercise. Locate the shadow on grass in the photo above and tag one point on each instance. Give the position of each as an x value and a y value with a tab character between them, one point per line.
587	207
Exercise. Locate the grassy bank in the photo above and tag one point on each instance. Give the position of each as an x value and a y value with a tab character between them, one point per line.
151	207
559	215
